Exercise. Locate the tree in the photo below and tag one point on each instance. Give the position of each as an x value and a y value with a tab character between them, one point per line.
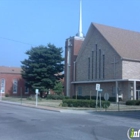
43	67
58	88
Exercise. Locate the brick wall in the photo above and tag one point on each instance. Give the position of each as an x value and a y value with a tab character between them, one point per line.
130	70
87	88
75	46
9	77
93	38
107	87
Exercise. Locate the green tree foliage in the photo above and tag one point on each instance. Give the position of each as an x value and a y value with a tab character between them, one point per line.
41	69
58	88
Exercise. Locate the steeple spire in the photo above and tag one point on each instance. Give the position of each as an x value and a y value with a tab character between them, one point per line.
80	34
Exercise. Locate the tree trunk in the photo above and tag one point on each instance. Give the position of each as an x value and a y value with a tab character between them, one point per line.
41	94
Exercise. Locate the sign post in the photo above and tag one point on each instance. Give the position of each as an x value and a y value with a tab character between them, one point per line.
100	97
106	97
97	88
21	94
36	91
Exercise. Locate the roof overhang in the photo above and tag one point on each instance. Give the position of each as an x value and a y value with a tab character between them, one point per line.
105	81
128	59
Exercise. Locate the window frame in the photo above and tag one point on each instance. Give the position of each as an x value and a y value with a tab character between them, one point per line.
15	80
26	90
2	86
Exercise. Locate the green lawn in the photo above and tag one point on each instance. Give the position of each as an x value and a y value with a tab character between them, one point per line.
42	102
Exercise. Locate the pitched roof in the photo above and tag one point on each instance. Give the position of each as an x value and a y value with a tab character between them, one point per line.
125	42
14	70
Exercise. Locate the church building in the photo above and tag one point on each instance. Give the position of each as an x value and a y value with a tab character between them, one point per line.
108	56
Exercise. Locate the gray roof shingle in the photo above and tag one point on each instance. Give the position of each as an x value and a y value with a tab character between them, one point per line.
125	42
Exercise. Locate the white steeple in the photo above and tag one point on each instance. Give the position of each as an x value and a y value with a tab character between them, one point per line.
80	34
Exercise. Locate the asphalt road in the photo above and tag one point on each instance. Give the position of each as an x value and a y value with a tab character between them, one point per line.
23	123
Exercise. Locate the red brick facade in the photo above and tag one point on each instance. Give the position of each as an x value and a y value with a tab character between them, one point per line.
7	77
73	44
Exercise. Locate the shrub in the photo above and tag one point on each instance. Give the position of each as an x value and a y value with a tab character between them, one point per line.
6	95
84	103
55	97
133	102
105	104
58	88
33	98
87	97
66	97
29	98
64	104
51	96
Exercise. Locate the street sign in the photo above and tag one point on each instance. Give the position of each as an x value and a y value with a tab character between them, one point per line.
97	87
100	90
106	96
36	91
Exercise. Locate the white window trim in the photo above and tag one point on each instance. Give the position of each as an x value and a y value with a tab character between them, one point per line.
1	84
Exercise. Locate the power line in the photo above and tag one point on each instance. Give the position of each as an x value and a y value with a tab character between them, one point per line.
17	41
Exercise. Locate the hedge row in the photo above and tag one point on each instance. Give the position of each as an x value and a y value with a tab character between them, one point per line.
133	102
111	99
84	103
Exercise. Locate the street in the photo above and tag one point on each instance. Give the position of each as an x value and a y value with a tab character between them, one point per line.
23	123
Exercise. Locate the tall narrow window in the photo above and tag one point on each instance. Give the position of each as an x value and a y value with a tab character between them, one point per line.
99	64
103	66
2	86
79	90
96	63
88	68
92	62
26	89
15	86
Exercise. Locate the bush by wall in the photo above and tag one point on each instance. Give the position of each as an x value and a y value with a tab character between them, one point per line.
56	97
84	103
33	98
133	102
7	95
87	97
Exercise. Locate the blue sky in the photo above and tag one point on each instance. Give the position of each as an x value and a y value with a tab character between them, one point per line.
39	22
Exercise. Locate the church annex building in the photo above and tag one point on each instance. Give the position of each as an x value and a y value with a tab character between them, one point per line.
108	56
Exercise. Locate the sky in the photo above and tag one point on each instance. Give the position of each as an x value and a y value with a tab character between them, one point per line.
30	23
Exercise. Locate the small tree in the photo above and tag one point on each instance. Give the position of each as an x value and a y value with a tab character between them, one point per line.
58	88
41	69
